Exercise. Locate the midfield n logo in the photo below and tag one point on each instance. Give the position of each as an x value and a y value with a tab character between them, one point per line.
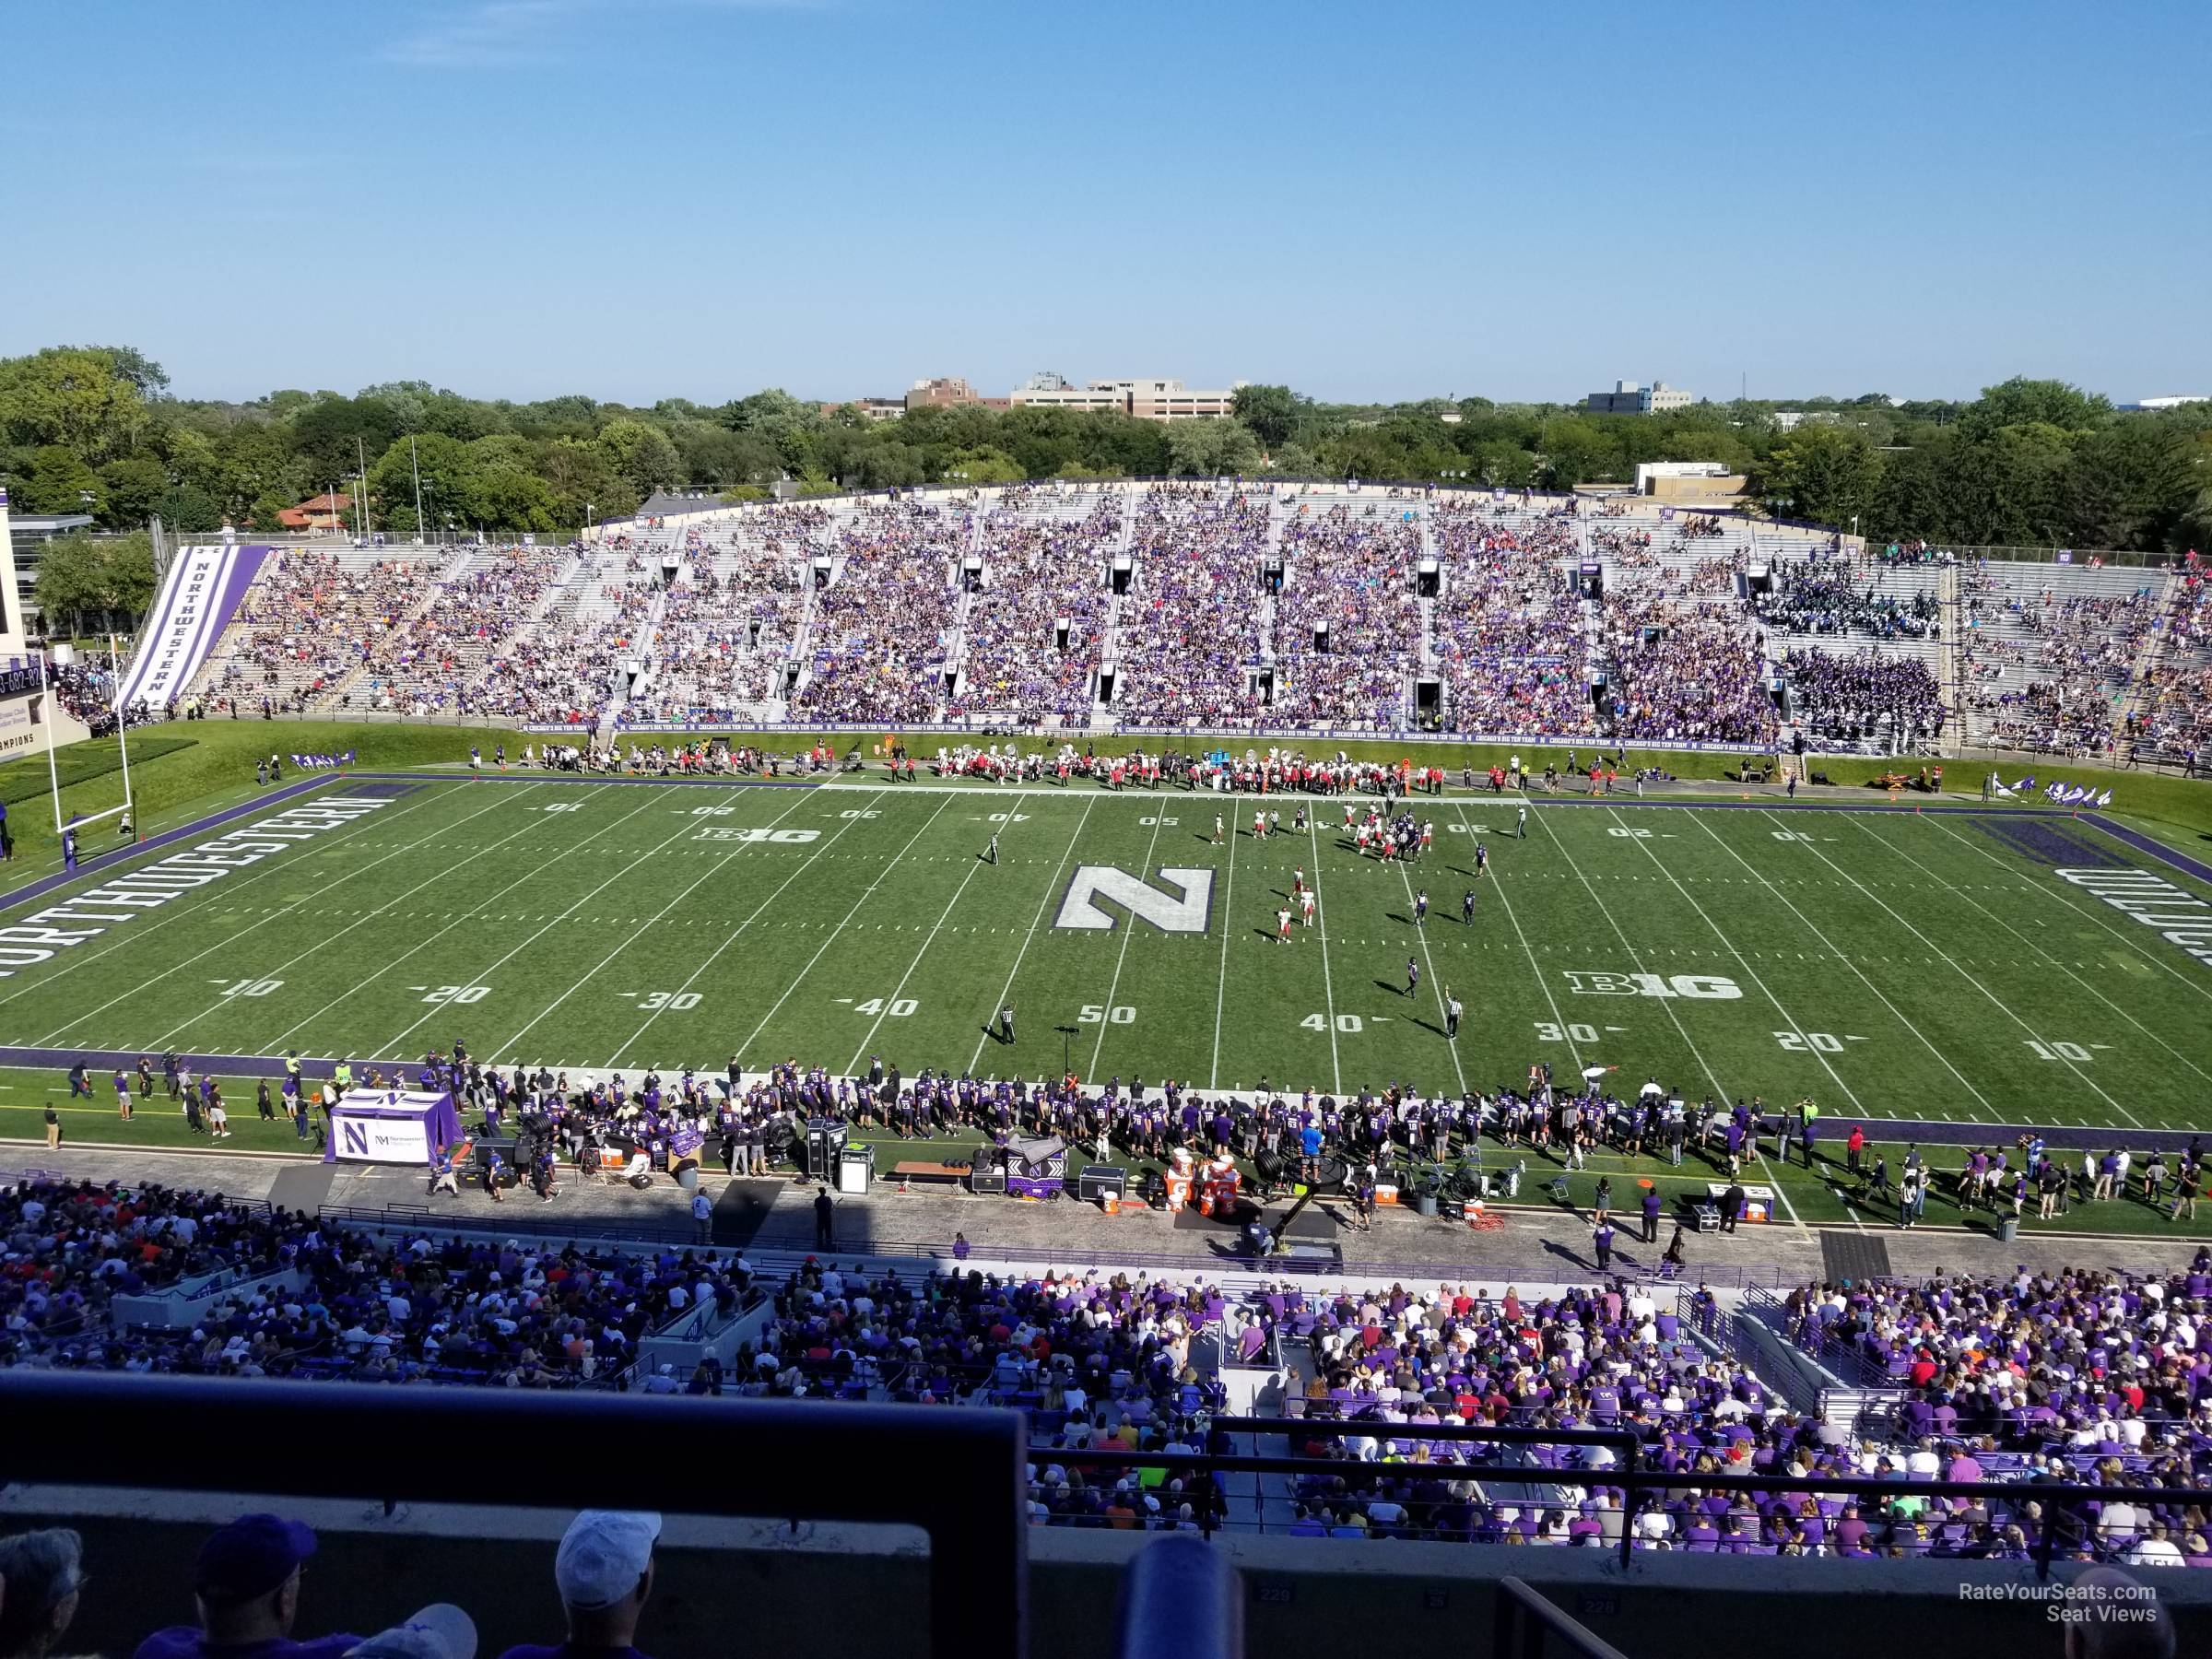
1092	883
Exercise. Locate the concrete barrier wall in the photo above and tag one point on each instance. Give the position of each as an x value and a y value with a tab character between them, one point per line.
860	1593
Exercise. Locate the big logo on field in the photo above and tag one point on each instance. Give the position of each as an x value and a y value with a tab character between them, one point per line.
1186	909
1703	987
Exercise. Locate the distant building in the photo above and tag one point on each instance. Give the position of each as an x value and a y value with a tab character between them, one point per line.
1629	398
2175	402
870	408
944	392
1697	483
1165	400
316	514
1047	390
1789	420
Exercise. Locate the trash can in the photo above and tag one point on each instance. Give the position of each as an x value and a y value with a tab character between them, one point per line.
686	1177
2008	1228
1424	1202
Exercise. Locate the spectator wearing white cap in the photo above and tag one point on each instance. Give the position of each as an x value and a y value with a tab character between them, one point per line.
604	1571
440	1631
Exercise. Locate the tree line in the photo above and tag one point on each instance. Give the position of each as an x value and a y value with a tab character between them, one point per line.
2029	462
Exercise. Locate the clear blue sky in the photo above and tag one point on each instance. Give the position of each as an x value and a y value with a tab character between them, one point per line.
637	199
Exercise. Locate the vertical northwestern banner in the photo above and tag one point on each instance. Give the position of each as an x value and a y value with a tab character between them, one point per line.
198	602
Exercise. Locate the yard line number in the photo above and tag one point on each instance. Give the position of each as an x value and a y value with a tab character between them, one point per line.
454	993
670	1002
1351	1025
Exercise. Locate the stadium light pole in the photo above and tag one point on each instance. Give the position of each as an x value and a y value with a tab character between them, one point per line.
415	462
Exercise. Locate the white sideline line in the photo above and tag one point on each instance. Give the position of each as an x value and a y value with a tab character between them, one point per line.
758	910
175	913
2003	1007
1129	932
838	931
1044	904
1229	930
275	1045
1435	986
714	868
1328	985
2058	894
278	915
975	863
1896	1013
1574	1049
2029	941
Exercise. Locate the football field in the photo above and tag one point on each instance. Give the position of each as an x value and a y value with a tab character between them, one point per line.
1998	968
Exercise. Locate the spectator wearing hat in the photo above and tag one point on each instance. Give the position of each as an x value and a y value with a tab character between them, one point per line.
604	1571
440	1631
45	1575
246	1591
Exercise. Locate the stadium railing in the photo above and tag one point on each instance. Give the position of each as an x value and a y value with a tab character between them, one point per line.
781	1459
1527	1625
2066	1527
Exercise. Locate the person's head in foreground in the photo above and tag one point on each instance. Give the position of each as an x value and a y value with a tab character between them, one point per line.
604	1570
45	1574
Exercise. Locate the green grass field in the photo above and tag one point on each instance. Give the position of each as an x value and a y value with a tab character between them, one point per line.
1890	965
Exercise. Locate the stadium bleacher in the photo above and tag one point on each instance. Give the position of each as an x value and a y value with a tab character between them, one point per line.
1231	605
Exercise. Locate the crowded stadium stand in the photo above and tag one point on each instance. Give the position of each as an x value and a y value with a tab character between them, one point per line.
1228	606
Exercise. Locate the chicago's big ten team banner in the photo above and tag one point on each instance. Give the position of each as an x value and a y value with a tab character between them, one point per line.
198	600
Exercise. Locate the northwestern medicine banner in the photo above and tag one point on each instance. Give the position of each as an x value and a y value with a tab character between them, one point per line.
198	602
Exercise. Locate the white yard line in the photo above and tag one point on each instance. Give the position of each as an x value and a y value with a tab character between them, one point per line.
754	1036
1896	1013
280	914
2028	940
1128	926
758	910
975	863
176	912
1435	986
274	1045
714	868
1781	1188
1328	985
1044	904
2058	893
1229	932
644	927
1566	1029
1991	997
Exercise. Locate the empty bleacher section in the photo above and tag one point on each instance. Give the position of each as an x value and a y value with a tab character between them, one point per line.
309	622
1231	605
2051	651
2172	718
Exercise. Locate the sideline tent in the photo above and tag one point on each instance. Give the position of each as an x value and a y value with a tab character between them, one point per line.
391	1126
